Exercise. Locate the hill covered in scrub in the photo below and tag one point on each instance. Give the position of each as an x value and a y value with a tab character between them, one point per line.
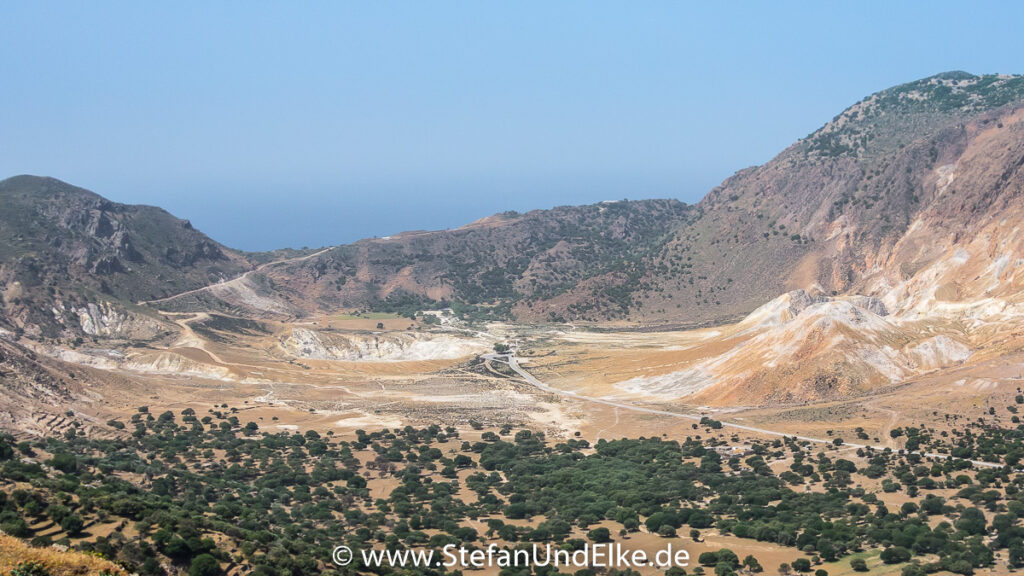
176	406
866	204
861	205
495	267
214	496
71	259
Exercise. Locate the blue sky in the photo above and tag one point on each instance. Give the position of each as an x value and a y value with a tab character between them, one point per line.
290	124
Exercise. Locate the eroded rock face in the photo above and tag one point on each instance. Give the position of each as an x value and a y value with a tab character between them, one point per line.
871	303
30	386
384	347
66	243
106	320
799	300
97	321
802	348
937	352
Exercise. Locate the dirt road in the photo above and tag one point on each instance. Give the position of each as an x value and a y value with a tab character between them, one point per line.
236	279
513	363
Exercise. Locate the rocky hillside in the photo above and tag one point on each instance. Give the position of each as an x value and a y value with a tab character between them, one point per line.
861	204
38	394
591	259
72	262
896	182
885	200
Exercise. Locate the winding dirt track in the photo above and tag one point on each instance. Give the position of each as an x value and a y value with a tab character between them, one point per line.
513	363
236	279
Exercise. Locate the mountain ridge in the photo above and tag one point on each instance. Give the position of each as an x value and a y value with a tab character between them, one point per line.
828	211
66	248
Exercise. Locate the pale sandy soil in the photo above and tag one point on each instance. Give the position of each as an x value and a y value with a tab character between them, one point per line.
274	385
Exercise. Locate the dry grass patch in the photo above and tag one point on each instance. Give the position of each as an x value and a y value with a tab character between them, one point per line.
58	562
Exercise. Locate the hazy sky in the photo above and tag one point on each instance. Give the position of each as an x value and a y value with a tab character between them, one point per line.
306	123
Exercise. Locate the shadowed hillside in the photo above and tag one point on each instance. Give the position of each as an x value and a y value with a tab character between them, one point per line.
72	260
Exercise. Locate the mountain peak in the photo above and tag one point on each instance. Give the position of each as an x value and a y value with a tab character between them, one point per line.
953	75
30	183
892	118
83	247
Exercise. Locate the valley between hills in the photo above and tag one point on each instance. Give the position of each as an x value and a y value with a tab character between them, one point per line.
856	303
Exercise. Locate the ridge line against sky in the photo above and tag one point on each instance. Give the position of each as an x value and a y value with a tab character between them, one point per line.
269	125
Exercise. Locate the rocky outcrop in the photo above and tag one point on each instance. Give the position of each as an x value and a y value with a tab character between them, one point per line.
64	243
800	348
107	320
97	322
382	347
102	319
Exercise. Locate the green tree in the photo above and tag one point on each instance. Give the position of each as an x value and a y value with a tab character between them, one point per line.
72	524
971	521
802	565
709	558
204	565
895	555
912	570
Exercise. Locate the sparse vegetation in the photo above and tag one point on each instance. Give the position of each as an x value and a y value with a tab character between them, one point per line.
264	485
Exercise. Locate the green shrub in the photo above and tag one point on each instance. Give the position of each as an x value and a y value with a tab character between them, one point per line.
30	569
204	565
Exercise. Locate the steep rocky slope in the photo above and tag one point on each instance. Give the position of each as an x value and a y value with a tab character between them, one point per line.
72	262
589	258
910	200
38	394
911	195
894	184
802	347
